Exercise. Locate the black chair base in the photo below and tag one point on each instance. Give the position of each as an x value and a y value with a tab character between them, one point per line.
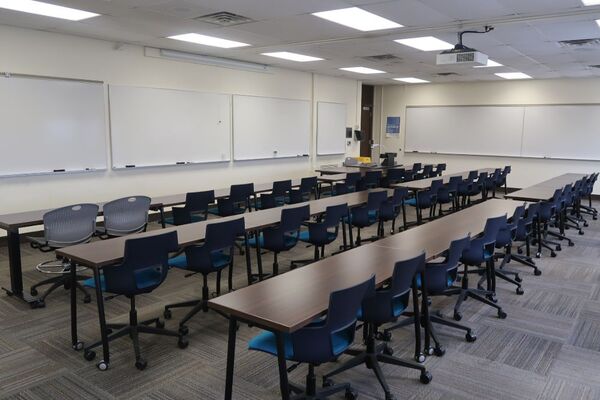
133	329
55	283
372	357
310	391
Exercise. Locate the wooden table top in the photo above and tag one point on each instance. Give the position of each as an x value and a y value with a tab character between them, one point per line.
423	184
103	253
290	301
35	217
328	170
544	191
332	178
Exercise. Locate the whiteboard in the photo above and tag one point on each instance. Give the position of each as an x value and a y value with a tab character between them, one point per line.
478	130
151	127
51	124
569	131
265	127
331	128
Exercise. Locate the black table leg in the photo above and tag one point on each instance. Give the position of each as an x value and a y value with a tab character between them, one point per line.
77	345
283	375
259	256
425	307
16	273
230	358
248	261
103	364
161	209
419	356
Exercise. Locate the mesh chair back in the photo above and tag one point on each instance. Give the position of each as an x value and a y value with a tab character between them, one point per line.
144	267
126	215
70	225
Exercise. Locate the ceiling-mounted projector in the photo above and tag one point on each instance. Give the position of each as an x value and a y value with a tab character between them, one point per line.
463	55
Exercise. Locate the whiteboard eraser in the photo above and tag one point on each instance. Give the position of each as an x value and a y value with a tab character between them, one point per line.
180	162
58	170
130	166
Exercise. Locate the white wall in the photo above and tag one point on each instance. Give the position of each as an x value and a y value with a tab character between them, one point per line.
525	171
48	54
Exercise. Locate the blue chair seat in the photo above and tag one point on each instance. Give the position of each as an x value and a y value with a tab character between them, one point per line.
305	236
219	260
411	202
193	218
449	283
144	278
289	241
236	210
266	342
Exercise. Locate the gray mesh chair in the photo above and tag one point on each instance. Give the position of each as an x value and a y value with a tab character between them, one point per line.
66	226
125	216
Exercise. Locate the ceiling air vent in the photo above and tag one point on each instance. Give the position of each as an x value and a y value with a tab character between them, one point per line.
224	18
592	43
386	58
446	73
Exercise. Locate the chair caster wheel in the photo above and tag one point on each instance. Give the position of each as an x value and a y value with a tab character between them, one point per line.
439	351
425	378
553	254
78	346
581	232
518	279
520	290
501	314
519	251
141	364
492	297
33	292
389	396
38	304
538	255
429	351
384	336
387	350
350	394
160	324
102	365
420	358
109	331
558	248
571	244
457	316
537	272
89	355
87	299
327	382
182	343
470	337
183	330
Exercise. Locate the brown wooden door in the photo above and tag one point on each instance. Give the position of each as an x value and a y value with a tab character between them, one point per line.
366	120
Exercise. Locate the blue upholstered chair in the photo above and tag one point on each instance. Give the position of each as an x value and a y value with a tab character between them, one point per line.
423	200
284	236
143	269
480	251
321	341
504	241
278	196
448	194
212	256
351	181
393	175
526	230
238	201
368	214
386	305
371	180
308	186
195	208
393	207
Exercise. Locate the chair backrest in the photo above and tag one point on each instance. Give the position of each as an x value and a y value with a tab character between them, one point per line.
308	184
292	218
144	266
335	214
395	175
282	188
372	179
427	170
375	199
241	192
441	275
340	189
316	344
325	232
219	237
126	215
400	193
70	225
383	307
440	168
199	201
518	214
416	167
351	180
436	185
482	177
492	227
472	175
453	183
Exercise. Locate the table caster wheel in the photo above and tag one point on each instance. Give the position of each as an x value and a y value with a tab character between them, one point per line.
350	394
425	378
327	382
439	351
78	345
182	343
520	290
537	272
457	316
501	314
420	358
470	337
167	314
89	355
388	351
102	365
160	324
141	364
33	292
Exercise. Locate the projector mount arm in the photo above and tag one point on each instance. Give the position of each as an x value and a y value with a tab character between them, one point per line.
460	46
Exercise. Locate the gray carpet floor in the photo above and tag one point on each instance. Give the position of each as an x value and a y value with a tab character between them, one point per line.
547	348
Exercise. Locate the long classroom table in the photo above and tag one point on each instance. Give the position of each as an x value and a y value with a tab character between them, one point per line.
544	191
424	184
13	222
288	302
105	253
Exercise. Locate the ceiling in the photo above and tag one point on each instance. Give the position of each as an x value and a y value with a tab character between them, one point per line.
525	36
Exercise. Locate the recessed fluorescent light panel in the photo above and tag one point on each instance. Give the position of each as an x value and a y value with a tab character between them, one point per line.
598	22
490	63
363	70
286	55
411	80
513	75
357	18
45	9
426	43
590	2
208	40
